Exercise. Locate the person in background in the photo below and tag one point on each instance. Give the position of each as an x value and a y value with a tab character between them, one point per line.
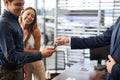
12	56
32	42
110	37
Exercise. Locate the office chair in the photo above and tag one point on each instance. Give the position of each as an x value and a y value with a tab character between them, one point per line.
99	54
74	56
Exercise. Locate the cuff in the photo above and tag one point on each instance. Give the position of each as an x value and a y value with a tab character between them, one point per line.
115	69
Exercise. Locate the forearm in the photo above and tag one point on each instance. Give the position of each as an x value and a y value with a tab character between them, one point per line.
83	43
93	41
19	58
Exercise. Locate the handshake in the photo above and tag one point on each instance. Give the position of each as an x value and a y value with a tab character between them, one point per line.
47	52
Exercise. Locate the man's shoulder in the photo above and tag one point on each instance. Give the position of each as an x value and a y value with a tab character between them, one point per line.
4	19
5	22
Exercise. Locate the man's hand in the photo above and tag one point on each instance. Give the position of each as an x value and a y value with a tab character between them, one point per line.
47	52
110	63
62	41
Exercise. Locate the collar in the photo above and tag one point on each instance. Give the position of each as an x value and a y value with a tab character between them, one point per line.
9	15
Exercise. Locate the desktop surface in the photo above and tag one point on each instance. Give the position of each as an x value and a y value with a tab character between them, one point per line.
76	72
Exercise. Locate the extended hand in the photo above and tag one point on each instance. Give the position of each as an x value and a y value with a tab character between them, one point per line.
62	41
110	63
47	52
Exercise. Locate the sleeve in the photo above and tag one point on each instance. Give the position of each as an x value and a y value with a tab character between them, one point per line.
8	49
93	41
116	72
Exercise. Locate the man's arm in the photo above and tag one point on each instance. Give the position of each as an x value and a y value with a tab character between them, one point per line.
16	56
90	42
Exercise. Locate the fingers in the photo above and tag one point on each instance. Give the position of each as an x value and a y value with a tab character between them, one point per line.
110	58
47	52
59	41
50	48
108	66
62	40
107	62
110	63
58	38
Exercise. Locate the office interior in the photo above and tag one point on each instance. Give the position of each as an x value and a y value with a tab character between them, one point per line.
80	18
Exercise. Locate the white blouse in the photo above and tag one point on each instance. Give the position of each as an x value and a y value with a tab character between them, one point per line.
30	43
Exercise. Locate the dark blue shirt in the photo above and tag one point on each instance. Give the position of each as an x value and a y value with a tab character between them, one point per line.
11	42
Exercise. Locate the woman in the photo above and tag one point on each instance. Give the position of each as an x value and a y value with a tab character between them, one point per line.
32	41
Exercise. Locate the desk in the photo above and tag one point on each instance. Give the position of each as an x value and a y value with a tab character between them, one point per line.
77	71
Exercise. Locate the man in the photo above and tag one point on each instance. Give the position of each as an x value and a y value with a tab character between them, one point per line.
12	56
109	37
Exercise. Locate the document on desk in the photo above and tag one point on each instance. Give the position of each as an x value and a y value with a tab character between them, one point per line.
70	78
83	69
76	72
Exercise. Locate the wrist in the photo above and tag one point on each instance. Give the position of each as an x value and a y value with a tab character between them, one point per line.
67	41
42	54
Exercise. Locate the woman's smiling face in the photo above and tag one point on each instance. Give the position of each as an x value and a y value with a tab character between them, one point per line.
28	16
